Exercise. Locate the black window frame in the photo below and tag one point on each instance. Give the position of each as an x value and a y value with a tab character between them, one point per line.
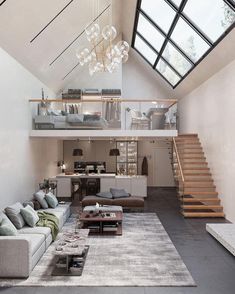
179	13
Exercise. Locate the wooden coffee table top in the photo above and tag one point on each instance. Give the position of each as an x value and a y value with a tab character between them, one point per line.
87	216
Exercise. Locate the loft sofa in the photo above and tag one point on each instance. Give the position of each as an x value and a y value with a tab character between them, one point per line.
70	121
125	202
19	254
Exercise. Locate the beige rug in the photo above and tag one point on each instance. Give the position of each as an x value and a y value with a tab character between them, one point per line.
143	256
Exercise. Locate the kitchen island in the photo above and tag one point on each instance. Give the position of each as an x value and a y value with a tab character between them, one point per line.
135	185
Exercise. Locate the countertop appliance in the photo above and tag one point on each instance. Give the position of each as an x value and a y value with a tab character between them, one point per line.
91	166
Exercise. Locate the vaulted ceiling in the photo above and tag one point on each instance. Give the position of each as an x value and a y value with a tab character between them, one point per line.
44	36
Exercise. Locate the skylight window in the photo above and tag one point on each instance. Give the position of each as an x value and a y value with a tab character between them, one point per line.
160	12
175	35
145	50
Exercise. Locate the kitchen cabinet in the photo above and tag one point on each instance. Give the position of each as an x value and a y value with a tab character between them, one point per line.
136	186
123	183
139	186
107	183
63	187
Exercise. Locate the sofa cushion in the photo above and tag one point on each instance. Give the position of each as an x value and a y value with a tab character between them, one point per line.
28	203
30	215
91	200
13	212
35	230
40	197
51	200
35	240
129	201
119	193
7	228
107	194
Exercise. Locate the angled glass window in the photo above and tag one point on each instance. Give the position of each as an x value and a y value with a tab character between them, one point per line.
176	59
175	35
213	17
160	12
177	2
150	33
189	41
167	72
145	50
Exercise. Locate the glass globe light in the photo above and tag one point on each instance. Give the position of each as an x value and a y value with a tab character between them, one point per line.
92	32
109	32
125	56
110	52
123	46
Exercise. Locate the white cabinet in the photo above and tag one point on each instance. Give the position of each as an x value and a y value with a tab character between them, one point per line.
124	183
139	186
107	183
63	187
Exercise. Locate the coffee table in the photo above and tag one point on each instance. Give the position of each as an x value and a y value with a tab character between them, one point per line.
105	222
71	251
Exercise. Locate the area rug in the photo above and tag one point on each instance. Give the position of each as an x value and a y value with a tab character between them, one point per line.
143	256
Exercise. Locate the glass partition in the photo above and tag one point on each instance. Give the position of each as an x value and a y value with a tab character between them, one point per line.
104	114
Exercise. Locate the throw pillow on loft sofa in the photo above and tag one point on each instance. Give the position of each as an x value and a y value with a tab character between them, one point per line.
40	197
7	228
30	215
119	193
13	213
107	195
51	200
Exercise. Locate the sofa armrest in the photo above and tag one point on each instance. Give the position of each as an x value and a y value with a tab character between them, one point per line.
15	256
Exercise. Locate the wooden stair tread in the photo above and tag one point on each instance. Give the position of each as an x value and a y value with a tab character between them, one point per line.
191	200
203	214
200	192
203	207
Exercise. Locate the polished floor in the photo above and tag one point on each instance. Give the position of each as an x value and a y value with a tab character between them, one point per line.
212	266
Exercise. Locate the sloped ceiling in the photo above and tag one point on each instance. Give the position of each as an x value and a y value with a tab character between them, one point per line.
60	23
51	55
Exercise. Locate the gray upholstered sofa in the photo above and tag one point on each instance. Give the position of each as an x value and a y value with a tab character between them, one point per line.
70	121
19	254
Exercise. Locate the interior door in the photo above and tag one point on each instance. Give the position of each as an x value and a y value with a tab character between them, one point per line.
163	174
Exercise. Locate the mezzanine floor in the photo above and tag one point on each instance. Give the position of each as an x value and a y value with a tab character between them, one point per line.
211	266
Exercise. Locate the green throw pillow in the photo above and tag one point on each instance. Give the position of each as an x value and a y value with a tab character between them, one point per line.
51	200
7	228
30	215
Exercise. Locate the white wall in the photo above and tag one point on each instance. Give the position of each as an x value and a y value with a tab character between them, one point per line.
159	163
210	111
24	162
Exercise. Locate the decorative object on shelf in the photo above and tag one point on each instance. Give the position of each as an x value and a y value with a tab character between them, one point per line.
114	152
144	167
104	55
77	152
61	164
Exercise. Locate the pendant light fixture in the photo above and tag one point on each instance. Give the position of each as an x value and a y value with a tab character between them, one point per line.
114	152
77	151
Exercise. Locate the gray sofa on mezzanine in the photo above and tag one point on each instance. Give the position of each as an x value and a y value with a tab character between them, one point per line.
19	254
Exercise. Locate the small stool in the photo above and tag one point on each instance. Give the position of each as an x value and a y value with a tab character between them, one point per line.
91	187
76	187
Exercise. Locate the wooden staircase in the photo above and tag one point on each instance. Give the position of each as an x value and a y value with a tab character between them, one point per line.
196	187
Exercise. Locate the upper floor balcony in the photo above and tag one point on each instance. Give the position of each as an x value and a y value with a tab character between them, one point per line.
104	116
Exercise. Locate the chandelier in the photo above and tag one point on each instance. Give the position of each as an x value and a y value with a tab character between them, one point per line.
103	55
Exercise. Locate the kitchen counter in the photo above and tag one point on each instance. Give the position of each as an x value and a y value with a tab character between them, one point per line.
106	175
77	175
135	185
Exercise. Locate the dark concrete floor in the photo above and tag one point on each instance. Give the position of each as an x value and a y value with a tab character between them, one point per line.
211	266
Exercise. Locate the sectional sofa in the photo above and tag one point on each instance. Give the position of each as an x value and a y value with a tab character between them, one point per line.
19	254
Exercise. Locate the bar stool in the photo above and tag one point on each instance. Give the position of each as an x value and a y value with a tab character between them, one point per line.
91	187
76	188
